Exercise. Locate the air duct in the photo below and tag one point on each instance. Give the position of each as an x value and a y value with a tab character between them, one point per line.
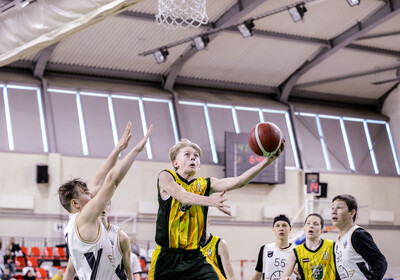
29	26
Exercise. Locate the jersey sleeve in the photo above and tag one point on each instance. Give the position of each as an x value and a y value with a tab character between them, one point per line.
136	267
365	246
259	266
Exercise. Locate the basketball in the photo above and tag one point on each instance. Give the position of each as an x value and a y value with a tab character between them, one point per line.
265	139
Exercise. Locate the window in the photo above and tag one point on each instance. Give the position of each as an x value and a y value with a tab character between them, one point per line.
25	121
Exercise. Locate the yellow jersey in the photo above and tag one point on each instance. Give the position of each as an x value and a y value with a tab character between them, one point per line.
182	226
210	250
318	264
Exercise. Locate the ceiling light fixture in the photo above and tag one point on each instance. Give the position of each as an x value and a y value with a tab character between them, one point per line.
353	2
297	12
201	42
246	28
161	55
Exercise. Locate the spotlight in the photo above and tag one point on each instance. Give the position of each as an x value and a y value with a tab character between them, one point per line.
161	55
297	12
201	42
246	28
353	2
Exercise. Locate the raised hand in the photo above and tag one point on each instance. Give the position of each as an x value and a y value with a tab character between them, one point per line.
142	143
220	205
125	138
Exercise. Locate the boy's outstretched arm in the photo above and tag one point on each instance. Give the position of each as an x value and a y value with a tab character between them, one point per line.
95	206
231	183
167	183
111	160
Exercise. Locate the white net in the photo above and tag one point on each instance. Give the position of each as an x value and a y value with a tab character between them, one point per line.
182	13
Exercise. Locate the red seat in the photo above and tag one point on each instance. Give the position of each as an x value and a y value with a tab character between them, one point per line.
60	254
24	250
48	252
18	277
41	273
35	252
143	264
32	262
20	262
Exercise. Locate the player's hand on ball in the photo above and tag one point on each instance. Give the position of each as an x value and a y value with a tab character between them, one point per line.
279	152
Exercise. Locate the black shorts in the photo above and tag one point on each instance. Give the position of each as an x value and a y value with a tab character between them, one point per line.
180	265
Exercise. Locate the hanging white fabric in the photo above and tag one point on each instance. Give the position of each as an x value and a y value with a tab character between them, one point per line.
26	30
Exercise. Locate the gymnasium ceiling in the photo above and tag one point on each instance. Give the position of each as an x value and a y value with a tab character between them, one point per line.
337	54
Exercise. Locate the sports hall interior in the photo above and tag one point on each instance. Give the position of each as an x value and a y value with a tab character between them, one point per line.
329	80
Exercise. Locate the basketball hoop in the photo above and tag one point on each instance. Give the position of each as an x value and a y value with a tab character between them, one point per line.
182	13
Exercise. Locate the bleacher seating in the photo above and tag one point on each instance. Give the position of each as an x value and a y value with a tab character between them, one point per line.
60	254
19	263
35	252
48	252
41	273
45	261
24	250
32	262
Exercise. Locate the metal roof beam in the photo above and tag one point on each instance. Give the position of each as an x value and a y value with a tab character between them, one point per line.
41	60
237	11
335	100
387	34
339	43
382	99
272	34
193	82
374	50
345	77
93	71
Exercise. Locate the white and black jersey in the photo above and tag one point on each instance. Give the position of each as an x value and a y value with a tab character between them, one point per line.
358	257
113	235
272	261
91	259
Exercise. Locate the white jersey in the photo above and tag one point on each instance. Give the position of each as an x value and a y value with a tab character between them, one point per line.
113	234
275	261
347	258
135	263
91	260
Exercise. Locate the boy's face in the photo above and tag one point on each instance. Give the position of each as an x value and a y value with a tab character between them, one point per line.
312	228
187	160
84	196
281	229
341	216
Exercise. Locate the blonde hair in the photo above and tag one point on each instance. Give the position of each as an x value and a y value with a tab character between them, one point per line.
173	152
